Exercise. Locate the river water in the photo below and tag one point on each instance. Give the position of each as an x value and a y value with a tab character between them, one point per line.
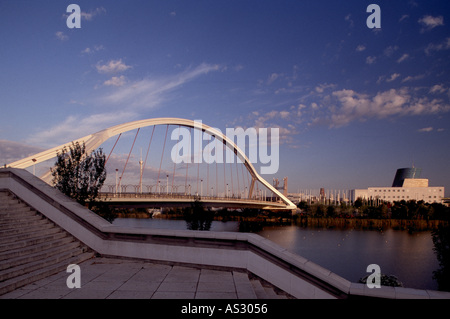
346	252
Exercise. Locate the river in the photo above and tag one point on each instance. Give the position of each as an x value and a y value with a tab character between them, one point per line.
346	252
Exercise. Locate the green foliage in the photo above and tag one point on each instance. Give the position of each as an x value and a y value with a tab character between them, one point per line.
385	280
78	175
81	176
366	209
197	217
441	241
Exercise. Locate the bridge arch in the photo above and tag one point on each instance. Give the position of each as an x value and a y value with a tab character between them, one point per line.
93	141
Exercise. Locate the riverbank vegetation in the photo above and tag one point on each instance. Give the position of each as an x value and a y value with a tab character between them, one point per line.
411	215
363	209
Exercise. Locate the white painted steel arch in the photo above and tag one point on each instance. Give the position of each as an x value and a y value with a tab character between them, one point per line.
93	141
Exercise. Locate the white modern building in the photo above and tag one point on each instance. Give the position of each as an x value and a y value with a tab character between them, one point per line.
408	189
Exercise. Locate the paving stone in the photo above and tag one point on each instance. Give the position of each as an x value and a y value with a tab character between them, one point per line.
215	295
173	295
111	278
225	286
178	286
215	276
131	294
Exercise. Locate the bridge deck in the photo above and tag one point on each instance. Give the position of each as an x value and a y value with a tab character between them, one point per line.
181	200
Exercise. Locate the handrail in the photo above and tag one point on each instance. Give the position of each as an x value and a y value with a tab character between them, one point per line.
178	195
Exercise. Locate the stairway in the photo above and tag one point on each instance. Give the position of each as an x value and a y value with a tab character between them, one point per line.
264	290
31	246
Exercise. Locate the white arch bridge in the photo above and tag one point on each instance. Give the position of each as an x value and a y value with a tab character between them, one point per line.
241	187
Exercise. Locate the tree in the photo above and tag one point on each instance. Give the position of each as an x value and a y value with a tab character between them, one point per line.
78	175
197	217
441	241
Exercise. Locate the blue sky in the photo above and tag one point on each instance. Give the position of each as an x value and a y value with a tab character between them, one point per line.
353	104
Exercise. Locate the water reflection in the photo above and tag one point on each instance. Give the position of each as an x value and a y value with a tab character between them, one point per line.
346	252
197	217
441	241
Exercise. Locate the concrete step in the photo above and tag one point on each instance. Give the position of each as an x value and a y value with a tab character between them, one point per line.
11	212
28	278
30	248
28	235
38	255
12	205
244	288
12	223
11	202
258	289
15	227
15	224
264	290
39	226
19	218
56	235
38	264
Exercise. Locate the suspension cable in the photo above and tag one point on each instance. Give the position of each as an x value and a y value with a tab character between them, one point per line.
217	177
175	161
198	164
126	163
243	178
231	174
237	175
113	148
146	156
162	155
225	190
187	167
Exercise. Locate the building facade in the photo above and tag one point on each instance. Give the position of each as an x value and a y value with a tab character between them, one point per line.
394	194
407	186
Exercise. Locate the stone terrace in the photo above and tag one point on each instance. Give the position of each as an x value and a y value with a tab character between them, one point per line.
113	278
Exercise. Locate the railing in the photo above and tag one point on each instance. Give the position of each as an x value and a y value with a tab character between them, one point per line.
181	197
105	195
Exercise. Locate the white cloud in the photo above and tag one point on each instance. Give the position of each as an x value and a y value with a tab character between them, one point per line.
150	92
115	81
96	48
390	50
61	36
283	120
353	106
273	77
403	58
322	87
393	77
445	45
130	96
371	59
405	16
360	48
425	129
413	78
429	22
438	88
349	19
74	127
113	66
13	151
91	14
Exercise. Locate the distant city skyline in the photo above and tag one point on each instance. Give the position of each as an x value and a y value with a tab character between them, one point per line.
352	104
